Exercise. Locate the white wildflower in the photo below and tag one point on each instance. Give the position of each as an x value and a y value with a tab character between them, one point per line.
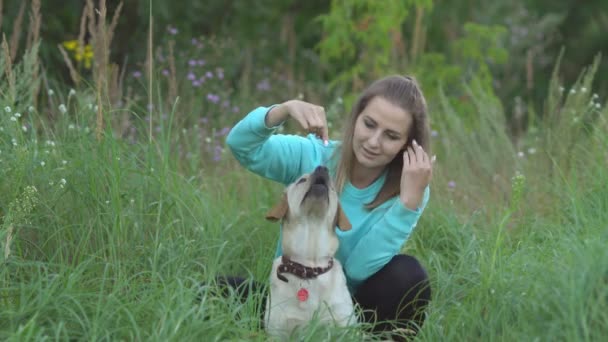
520	154
107	202
71	126
96	108
72	92
62	108
17	115
594	96
42	163
572	91
14	141
31	109
50	92
51	183
24	128
64	162
8	109
208	140
13	118
561	89
598	106
531	150
583	90
62	182
132	201
1	129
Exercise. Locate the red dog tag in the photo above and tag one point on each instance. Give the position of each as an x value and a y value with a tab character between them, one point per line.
302	295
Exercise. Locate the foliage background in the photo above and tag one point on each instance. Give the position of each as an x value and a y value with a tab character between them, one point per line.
118	196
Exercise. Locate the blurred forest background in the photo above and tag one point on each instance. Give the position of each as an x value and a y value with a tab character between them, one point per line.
272	50
118	195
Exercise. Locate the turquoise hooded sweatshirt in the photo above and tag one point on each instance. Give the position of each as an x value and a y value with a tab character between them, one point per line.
376	235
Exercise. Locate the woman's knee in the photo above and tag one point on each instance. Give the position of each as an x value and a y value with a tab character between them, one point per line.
410	274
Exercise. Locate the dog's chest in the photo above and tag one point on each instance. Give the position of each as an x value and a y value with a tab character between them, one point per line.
299	300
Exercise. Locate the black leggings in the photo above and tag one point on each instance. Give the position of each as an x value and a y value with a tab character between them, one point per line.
392	298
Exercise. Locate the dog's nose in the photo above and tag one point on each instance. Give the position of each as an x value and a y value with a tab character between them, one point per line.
321	170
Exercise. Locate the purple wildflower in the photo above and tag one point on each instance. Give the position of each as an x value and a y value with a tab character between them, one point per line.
213	98
192	62
223	132
217	155
201	62
451	184
263	85
191	76
194	41
165	72
172	30
137	74
235	109
209	74
196	83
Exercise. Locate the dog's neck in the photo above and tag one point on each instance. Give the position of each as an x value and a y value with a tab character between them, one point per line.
309	243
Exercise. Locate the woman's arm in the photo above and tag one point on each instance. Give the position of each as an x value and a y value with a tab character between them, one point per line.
383	240
281	158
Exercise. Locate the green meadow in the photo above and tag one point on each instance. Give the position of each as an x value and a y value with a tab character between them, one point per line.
114	209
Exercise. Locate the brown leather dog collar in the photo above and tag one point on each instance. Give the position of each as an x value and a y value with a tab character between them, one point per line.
303	272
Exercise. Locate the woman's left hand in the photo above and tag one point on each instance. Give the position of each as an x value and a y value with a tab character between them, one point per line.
415	176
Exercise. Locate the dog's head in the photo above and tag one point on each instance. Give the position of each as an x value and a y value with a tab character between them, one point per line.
311	199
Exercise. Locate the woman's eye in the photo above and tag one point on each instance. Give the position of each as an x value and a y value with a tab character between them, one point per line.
368	124
302	180
393	137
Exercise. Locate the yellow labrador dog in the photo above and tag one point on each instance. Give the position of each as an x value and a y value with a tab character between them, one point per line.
306	281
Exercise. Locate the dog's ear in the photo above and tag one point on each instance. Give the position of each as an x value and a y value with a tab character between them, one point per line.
279	211
341	220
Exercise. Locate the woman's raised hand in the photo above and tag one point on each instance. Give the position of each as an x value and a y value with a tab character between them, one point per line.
310	117
416	175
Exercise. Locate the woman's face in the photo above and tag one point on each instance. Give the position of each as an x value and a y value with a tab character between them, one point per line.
380	133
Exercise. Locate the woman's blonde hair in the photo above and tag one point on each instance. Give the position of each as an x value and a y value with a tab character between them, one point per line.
402	91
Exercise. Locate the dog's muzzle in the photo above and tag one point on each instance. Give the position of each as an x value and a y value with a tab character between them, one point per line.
319	180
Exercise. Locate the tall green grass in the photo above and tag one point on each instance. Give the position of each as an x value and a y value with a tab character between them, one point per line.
110	239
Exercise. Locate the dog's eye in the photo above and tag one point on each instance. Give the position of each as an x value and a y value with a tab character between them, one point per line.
302	180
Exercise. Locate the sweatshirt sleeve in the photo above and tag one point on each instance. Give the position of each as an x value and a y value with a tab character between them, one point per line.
383	240
278	157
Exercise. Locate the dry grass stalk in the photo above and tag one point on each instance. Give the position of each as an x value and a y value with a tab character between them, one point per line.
100	40
35	22
33	39
7	245
418	36
74	75
83	27
8	70
16	36
150	66
114	22
172	72
101	66
1	13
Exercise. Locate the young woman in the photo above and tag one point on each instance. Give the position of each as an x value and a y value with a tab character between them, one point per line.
382	172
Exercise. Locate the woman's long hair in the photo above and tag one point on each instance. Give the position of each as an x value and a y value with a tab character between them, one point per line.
402	91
